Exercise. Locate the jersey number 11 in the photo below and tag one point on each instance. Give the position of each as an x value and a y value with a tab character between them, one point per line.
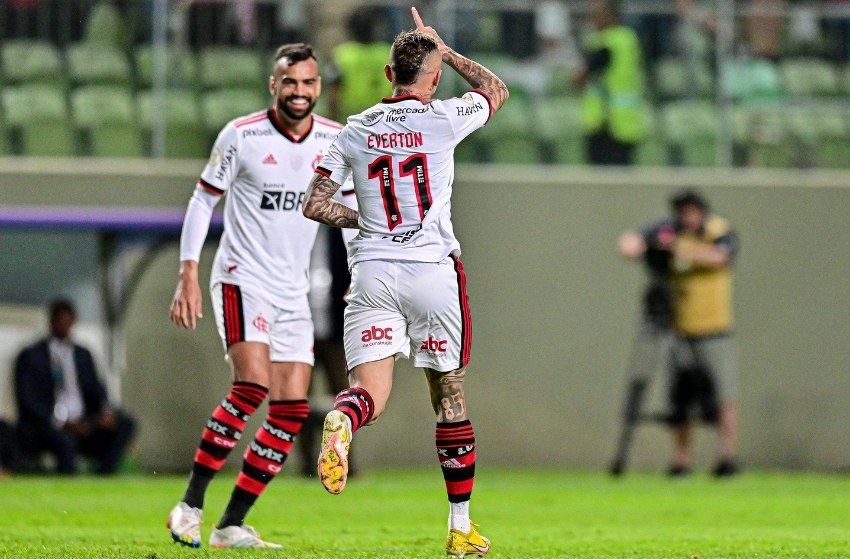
415	166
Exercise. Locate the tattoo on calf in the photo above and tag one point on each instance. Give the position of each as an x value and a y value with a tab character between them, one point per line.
447	395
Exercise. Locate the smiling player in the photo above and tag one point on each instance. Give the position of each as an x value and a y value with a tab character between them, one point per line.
262	162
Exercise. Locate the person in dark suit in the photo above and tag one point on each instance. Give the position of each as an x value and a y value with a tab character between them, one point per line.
62	404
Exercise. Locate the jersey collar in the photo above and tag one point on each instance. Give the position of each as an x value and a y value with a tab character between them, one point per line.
400	98
278	125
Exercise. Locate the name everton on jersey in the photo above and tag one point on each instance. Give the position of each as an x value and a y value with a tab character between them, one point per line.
388	140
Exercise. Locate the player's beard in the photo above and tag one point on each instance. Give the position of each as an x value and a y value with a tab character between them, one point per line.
284	107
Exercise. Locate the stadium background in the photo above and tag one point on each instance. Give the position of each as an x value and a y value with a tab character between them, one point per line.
554	307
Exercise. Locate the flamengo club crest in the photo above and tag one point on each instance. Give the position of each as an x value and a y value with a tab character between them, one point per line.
261	324
296	161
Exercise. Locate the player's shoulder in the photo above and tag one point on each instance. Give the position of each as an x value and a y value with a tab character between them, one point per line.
252	119
321	122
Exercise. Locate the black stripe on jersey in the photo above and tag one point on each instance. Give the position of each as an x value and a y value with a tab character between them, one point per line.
324	172
284	132
210	188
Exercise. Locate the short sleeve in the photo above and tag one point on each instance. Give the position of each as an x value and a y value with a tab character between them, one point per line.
223	165
334	164
468	113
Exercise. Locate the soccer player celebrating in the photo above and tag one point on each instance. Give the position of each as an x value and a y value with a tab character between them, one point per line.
259	286
408	290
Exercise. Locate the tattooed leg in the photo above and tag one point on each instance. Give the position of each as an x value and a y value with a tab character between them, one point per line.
447	395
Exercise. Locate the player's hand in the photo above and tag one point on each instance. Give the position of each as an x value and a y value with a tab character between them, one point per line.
187	303
441	46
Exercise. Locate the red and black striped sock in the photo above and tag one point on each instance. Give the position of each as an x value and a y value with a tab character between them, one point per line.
456	451
357	405
222	432
265	456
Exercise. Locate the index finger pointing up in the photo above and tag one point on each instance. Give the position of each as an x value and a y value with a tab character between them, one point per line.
418	20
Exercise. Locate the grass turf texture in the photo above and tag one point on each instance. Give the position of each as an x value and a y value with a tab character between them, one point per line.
383	514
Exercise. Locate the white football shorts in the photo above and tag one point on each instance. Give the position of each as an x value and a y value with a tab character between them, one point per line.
243	314
396	307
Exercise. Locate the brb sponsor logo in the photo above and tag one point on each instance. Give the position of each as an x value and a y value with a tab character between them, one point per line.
376	336
282	200
433	345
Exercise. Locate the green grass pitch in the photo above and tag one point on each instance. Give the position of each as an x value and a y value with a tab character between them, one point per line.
392	513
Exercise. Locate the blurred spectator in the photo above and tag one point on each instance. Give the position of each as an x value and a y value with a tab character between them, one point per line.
655	26
698	249
554	31
49	20
703	254
837	28
764	26
356	73
612	77
8	449
62	404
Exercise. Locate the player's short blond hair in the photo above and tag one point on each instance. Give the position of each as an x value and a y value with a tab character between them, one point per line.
408	54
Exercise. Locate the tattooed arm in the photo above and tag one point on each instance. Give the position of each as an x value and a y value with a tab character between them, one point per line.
478	77
319	206
474	73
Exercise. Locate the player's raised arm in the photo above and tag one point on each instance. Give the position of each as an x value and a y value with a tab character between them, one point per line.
474	73
320	206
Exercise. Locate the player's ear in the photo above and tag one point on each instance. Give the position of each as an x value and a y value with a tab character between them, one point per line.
437	76
271	84
388	72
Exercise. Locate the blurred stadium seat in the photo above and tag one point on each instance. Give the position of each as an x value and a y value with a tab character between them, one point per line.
37	115
512	137
652	151
92	63
105	26
677	78
761	133
230	67
185	135
26	60
559	126
690	128
805	77
219	107
181	67
750	80
823	130
106	116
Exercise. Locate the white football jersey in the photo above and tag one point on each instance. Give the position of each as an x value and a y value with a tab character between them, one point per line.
400	155
264	172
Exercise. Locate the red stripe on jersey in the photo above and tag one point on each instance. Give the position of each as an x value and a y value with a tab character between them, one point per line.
234	323
210	188
466	315
327	121
251	118
324	172
489	101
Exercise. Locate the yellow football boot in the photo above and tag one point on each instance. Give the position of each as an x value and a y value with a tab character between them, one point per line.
459	544
333	460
